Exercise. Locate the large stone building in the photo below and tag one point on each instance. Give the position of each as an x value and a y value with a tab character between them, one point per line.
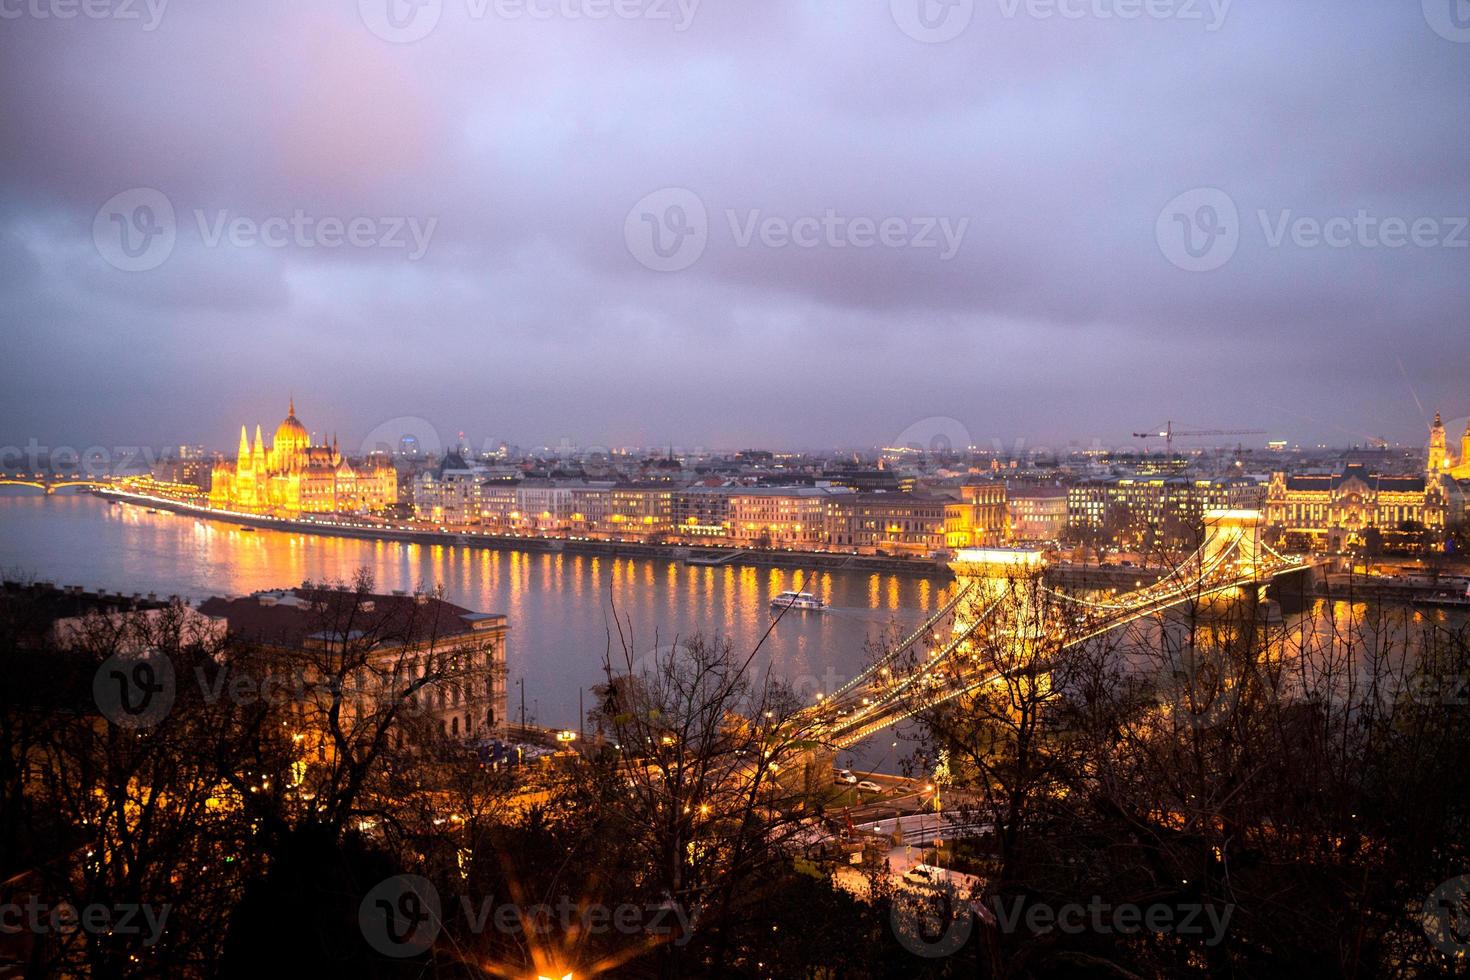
453	655
1352	508
292	476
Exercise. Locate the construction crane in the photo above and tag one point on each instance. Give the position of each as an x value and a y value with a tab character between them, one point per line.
1168	434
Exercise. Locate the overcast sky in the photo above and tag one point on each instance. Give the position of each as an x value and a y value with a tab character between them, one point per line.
734	222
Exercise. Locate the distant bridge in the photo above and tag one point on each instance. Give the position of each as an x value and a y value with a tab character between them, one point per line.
48	483
938	663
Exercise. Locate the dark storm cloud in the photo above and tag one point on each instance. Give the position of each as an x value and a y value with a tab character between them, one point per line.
1045	147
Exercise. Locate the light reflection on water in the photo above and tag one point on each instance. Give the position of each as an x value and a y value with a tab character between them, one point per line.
560	606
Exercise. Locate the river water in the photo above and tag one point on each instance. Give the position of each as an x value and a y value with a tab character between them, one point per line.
560	606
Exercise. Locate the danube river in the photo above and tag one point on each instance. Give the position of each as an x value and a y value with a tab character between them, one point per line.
560	606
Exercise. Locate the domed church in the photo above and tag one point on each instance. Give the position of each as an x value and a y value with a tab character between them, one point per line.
294	477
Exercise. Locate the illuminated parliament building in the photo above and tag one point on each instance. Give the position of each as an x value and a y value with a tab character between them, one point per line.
294	477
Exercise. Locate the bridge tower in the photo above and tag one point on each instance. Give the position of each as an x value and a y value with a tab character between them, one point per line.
1007	575
1237	530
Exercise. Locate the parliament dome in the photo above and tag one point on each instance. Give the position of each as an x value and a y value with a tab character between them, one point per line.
291	432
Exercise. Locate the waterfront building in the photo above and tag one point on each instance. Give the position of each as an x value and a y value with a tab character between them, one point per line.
542	506
640	511
498	506
782	517
450	493
1038	513
399	639
988	515
1353	507
702	513
292	476
889	523
591	506
1138	512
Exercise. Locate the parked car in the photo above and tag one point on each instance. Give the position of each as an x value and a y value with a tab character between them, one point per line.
845	777
868	786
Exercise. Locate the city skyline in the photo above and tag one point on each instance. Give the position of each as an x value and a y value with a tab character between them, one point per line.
984	228
933	434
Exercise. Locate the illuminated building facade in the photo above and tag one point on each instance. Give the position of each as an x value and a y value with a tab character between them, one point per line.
1134	512
1347	510
781	517
450	493
1442	462
1037	513
292	476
